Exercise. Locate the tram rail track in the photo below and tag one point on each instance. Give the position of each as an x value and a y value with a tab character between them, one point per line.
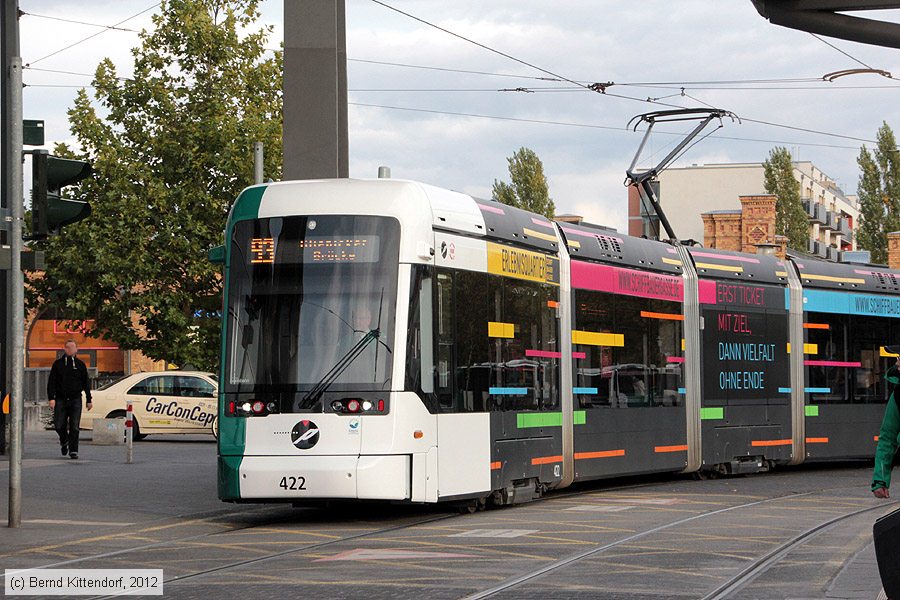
740	580
762	564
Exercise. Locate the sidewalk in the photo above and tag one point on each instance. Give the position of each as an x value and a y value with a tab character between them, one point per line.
171	475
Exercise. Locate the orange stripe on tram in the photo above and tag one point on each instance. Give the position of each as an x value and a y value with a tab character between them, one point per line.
682	448
771	443
816	326
546	460
817	440
666	316
599	454
496	465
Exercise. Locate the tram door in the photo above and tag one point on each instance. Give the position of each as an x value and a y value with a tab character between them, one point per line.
463	429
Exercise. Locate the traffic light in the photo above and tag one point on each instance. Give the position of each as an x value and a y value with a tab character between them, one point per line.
49	211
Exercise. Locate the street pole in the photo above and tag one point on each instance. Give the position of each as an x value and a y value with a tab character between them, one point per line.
9	47
258	162
129	431
17	293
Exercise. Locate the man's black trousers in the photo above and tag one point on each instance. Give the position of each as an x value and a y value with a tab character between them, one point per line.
66	417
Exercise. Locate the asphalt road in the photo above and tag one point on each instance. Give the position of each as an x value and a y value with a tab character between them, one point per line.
807	530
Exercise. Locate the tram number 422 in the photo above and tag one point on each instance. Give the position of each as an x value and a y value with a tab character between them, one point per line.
293	483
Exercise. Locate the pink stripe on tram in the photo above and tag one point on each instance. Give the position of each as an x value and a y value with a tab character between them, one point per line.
629	282
543	223
579	355
707	291
543	354
492	209
675	359
830	363
571	231
746	259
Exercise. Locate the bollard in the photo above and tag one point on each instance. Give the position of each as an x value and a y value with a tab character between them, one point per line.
129	432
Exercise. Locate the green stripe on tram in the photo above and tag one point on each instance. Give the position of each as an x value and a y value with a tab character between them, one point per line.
712	413
546	419
233	430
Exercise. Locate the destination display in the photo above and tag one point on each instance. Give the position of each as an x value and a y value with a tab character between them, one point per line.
745	339
361	248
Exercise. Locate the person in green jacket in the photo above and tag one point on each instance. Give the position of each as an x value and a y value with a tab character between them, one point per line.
888	436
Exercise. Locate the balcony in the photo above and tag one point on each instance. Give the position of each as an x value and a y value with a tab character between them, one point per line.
844	227
817	249
833	254
815	212
831	220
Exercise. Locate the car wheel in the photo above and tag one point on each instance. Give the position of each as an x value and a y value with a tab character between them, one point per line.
214	428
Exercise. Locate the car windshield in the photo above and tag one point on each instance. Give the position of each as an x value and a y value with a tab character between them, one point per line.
112	382
311	302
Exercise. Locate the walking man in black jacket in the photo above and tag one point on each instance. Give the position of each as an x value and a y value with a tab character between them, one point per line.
68	379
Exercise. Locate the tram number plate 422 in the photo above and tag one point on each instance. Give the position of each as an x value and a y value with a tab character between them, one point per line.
289	483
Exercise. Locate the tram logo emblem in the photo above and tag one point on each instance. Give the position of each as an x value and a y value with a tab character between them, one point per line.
448	250
305	435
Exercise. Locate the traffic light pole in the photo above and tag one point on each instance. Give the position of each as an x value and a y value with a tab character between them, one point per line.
16	291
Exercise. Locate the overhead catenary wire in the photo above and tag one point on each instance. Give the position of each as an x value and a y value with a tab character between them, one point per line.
847	54
76	22
585	125
598	87
92	36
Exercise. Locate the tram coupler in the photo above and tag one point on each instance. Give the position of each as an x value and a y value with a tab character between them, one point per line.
521	491
747	465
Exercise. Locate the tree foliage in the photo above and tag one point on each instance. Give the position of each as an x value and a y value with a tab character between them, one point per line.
790	216
171	147
879	194
529	188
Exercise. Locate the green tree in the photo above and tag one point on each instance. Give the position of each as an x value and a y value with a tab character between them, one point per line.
529	188
790	217
171	148
879	194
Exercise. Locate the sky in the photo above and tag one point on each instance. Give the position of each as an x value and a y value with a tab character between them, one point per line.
668	48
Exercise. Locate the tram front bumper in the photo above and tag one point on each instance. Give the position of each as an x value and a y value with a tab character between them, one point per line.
382	477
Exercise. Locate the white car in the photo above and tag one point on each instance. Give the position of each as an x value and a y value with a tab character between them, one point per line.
163	402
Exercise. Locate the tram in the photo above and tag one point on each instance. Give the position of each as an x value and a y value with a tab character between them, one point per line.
390	340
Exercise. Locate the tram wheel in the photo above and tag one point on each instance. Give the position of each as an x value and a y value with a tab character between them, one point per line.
473	506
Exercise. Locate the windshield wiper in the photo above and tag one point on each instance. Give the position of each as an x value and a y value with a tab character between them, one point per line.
313	395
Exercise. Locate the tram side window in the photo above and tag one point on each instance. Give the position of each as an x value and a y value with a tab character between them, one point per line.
473	360
646	371
483	329
462	367
420	371
867	335
827	332
524	367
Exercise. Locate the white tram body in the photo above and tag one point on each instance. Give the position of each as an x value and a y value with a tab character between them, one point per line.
390	340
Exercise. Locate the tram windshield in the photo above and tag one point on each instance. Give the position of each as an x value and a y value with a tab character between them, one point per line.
311	303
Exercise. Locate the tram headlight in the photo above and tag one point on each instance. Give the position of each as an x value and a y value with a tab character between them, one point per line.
337	406
353	406
366	405
258	407
271	407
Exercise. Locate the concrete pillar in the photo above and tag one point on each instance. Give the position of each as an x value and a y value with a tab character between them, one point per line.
315	90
